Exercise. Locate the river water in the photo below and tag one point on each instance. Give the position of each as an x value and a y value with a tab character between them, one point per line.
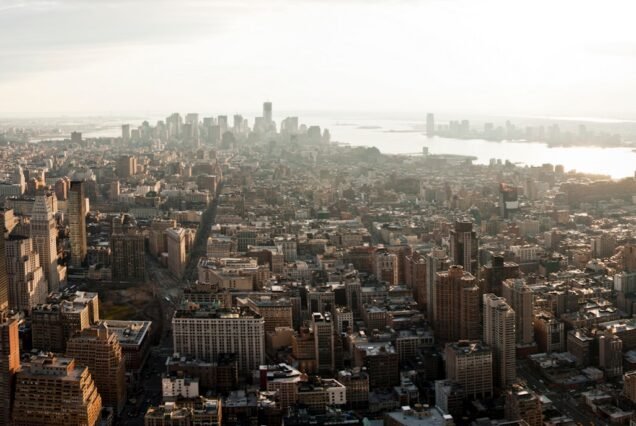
400	137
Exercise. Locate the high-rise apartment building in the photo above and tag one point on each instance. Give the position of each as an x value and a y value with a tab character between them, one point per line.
44	235
9	365
464	246
52	391
98	348
27	285
176	251
469	363
456	313
77	223
205	331
520	298
499	333
322	327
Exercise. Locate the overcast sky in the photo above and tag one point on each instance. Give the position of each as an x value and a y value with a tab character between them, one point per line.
575	58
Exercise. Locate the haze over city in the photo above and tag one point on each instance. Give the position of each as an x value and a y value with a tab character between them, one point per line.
326	213
540	58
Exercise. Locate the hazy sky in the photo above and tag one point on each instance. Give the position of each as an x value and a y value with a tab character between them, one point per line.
464	56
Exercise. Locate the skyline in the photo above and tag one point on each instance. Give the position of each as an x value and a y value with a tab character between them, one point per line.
142	57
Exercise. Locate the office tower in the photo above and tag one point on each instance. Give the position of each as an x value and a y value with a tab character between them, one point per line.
128	259
126	166
55	391
221	121
508	200
238	123
125	133
193	120
9	365
520	298
44	235
436	261
98	349
603	246
469	363
4	277
430	124
204	331
464	246
174	123
457	313
523	404
176	251
324	342
77	223
27	285
289	126
499	333
267	113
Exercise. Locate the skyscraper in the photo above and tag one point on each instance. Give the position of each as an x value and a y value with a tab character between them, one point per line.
267	112
519	296
125	133
4	278
128	261
77	223
27	285
44	235
98	349
430	124
9	364
456	312
464	246
499	333
436	261
324	342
